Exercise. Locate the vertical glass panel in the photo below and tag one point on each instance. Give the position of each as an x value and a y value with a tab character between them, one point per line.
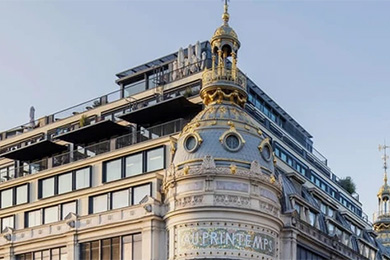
100	203
6	198
28	256
95	250
48	187
51	214
65	183
38	255
7	222
68	208
106	249
46	255
137	252
64	253
115	248
83	178
127	248
155	159
85	251
55	254
34	218
120	199
140	192
312	218
133	164
22	194
113	170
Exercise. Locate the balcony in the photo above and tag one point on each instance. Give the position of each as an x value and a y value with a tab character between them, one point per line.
103	147
227	76
381	216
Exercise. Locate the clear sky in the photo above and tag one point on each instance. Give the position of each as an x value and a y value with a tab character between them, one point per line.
327	63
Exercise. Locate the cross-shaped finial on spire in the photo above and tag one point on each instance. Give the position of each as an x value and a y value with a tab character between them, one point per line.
384	158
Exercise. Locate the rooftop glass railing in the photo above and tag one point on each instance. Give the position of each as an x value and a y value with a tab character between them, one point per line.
102	147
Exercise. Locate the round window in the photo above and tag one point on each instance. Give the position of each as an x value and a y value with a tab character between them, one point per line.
232	142
191	143
266	152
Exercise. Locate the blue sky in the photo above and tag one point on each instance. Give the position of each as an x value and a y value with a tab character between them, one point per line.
325	62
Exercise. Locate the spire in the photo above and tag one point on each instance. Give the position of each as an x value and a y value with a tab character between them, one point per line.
384	158
225	15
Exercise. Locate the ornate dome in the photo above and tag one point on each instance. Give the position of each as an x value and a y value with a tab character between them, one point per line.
385	189
225	32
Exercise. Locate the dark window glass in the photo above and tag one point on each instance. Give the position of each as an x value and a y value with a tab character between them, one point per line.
95	250
22	194
113	170
65	183
85	251
106	249
115	248
140	192
155	159
133	164
7	198
83	178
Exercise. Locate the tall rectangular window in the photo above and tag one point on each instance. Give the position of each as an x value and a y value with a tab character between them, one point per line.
51	214
33	218
120	199
140	192
100	203
47	187
106	249
7	222
127	247
67	208
133	164
22	194
83	178
113	170
137	246
7	198
65	183
155	159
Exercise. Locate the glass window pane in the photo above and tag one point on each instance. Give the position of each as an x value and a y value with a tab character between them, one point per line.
140	192
120	199
64	253
51	214
6	198
83	178
106	249
65	183
7	222
127	248
113	170
137	252
100	203
48	187
85	251
155	159
133	164
38	255
34	218
46	255
95	250
68	208
22	194
115	248
55	254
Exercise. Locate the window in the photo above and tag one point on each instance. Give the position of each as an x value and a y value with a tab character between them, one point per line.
120	199
100	203
140	192
7	198
7	222
47	187
127	247
22	194
331	228
51	215
67	208
155	159
133	164
312	218
48	254
65	183
33	218
323	208
83	178
113	170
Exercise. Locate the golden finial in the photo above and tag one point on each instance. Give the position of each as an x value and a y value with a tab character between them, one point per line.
225	16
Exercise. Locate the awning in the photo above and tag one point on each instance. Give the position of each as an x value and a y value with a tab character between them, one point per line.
35	151
162	112
94	133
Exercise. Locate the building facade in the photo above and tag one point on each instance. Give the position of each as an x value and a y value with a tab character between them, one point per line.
189	159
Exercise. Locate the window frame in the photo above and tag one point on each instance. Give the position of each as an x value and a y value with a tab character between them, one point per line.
1	222
27	218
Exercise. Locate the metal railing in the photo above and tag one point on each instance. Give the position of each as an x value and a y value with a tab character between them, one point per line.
93	150
228	75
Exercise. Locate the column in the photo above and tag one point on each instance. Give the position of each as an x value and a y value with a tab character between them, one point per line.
288	245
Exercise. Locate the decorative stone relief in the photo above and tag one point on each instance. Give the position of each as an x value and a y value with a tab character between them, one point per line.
231	200
189	201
